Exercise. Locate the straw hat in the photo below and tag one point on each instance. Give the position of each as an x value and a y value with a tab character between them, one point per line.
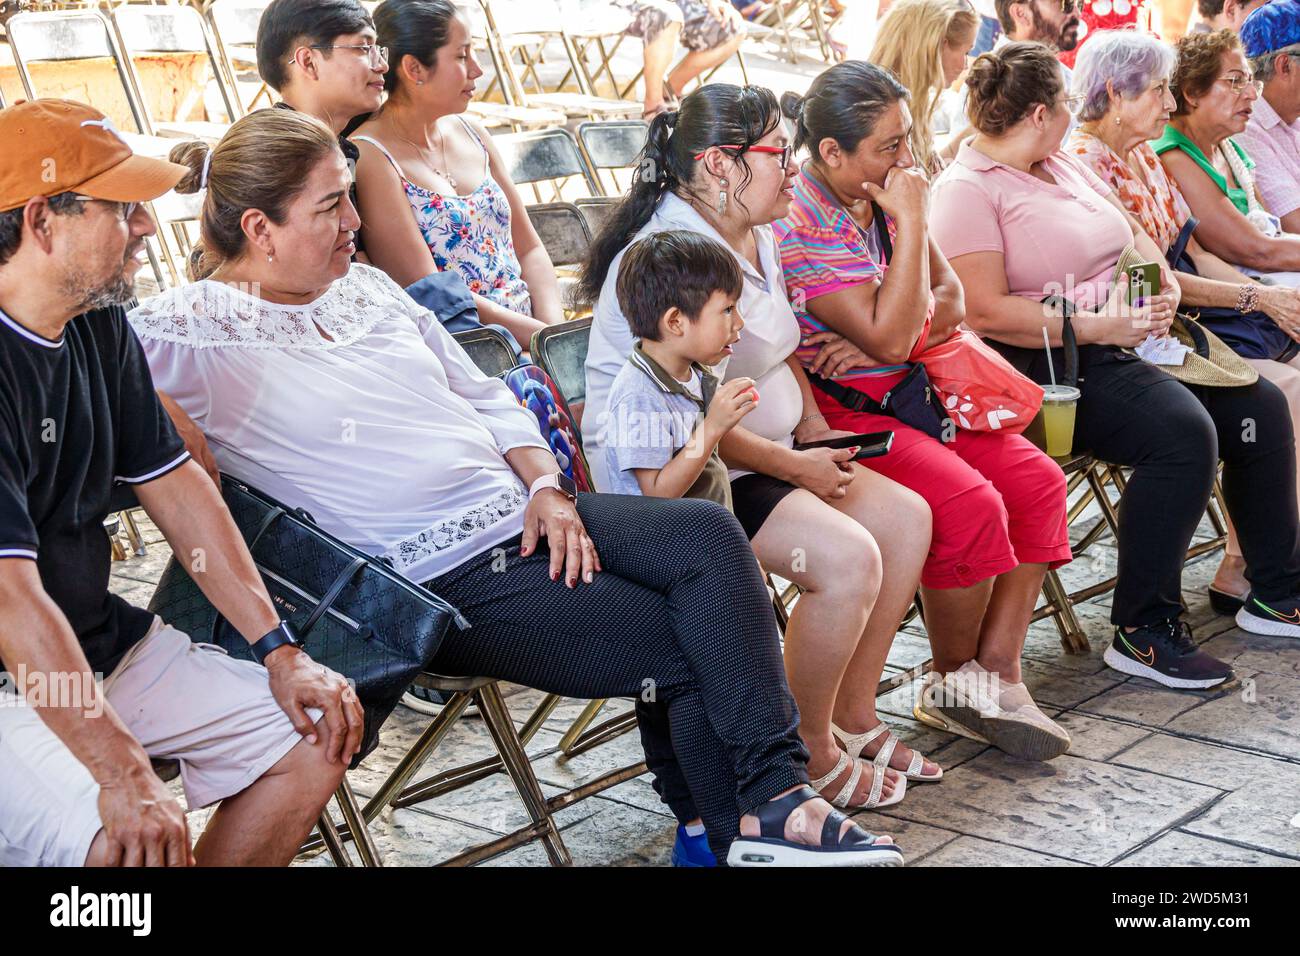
1211	362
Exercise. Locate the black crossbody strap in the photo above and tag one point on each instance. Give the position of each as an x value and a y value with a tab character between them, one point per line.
1069	344
850	398
332	593
882	233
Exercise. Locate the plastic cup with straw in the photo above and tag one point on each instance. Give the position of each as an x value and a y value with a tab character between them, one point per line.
1059	403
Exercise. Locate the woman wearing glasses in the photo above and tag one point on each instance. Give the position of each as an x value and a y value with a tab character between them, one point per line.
869	282
1215	95
433	191
1020	220
853	540
1124	77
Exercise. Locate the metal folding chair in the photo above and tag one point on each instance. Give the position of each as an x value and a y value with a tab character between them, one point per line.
799	16
566	238
234	28
517	29
68	36
612	145
549	157
597	211
172	29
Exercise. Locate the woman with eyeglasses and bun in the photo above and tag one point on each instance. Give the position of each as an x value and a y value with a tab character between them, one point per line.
1027	226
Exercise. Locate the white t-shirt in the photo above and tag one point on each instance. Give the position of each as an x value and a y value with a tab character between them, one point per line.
770	336
388	435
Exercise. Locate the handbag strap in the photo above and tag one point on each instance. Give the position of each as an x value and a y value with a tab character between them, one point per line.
850	398
332	593
1175	254
882	232
268	519
1069	344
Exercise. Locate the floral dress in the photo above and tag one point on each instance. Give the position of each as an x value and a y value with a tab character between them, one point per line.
470	234
1149	195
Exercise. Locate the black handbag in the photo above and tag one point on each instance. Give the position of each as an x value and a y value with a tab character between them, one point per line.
353	613
913	400
1249	334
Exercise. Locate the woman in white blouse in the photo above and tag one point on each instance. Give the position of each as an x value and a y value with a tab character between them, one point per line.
321	382
853	540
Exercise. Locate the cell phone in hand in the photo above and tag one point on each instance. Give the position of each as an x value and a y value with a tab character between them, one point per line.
1143	282
870	445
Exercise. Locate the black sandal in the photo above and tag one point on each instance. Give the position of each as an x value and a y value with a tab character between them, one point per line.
855	848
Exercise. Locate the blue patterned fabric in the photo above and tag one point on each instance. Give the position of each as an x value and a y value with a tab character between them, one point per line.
1271	27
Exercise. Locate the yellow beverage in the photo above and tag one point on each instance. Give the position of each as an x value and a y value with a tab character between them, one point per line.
1059	403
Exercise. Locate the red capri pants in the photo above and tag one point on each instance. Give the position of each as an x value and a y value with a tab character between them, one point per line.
997	500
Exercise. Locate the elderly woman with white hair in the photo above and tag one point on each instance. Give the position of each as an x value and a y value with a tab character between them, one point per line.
1123	77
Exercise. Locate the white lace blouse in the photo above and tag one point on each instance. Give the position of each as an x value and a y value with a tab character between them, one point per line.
382	427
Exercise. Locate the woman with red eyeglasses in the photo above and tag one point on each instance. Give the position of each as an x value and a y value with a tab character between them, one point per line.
853	540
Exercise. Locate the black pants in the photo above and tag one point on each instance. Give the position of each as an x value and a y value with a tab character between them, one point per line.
679	619
1173	435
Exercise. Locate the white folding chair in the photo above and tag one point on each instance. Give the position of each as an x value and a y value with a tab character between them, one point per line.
143	30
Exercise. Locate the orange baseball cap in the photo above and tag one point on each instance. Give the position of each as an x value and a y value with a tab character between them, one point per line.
55	146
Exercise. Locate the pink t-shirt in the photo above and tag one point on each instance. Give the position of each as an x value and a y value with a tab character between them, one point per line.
1062	239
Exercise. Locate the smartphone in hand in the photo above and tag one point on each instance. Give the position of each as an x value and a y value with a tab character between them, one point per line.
870	445
1143	282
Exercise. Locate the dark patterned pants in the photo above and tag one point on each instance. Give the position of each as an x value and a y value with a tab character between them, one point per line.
678	619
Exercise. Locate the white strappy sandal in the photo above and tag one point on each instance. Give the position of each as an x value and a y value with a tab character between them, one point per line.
855	743
873	801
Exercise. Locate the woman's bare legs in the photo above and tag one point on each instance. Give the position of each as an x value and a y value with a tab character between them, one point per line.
657	57
1006	621
899	520
837	564
701	61
953	619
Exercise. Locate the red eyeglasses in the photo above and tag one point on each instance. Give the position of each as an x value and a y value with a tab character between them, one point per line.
782	151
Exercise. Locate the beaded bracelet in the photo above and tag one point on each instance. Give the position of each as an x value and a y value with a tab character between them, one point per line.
1247	298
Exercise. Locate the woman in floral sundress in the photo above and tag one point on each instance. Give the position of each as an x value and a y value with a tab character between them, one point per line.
420	156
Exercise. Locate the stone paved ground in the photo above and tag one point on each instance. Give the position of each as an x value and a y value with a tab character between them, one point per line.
1154	776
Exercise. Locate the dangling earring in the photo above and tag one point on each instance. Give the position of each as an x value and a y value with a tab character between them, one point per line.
722	197
1116	120
269	257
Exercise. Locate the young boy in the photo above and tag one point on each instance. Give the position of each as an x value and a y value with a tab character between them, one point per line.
667	413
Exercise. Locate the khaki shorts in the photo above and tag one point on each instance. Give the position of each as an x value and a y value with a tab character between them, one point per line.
182	701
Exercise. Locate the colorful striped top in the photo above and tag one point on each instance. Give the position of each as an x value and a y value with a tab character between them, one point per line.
823	251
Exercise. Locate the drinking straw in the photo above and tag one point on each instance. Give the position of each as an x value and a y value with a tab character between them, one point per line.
1047	343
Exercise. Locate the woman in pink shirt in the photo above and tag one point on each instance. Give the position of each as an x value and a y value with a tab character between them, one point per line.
876	298
1021	221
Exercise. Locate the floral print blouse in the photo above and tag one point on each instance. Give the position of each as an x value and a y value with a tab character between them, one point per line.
470	234
1149	196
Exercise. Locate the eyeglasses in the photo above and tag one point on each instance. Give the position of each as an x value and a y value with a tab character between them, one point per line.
783	151
377	55
126	209
1074	102
1237	82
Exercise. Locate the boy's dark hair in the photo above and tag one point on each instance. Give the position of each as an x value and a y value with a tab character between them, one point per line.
673	270
289	24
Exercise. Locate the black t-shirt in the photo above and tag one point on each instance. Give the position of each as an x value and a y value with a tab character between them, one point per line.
76	414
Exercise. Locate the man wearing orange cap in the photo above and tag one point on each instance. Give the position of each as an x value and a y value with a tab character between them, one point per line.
90	686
